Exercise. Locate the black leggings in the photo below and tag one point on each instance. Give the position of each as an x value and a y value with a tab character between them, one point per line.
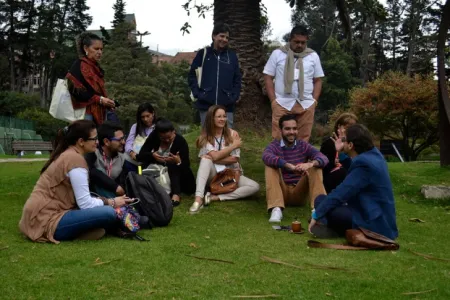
182	180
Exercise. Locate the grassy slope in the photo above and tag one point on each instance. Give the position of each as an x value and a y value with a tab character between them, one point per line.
235	231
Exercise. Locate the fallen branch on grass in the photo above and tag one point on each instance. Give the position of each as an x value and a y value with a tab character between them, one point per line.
418	293
211	259
428	256
103	262
328	268
279	262
4	248
257	296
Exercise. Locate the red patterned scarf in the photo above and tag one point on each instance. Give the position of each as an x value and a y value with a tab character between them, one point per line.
86	85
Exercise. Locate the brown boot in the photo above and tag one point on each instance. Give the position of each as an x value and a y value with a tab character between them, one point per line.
93	234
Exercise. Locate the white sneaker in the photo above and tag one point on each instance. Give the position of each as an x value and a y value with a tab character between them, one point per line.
276	215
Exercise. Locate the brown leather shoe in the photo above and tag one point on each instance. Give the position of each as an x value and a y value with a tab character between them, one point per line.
93	234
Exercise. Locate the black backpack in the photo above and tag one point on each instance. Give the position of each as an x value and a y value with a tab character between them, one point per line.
155	202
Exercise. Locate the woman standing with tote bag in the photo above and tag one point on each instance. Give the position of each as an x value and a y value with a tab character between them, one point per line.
86	81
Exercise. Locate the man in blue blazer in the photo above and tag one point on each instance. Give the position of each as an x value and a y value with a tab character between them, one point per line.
364	199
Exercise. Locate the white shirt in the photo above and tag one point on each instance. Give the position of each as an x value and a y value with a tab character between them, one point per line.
79	180
312	69
217	147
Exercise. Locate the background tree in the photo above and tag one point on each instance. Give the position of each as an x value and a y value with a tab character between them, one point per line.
119	13
443	98
337	83
393	107
132	79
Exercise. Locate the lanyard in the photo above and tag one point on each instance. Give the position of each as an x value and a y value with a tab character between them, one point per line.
219	141
108	170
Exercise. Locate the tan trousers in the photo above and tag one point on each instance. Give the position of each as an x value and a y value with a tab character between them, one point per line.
305	119
279	194
206	172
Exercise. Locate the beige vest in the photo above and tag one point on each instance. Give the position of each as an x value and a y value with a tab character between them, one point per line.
51	198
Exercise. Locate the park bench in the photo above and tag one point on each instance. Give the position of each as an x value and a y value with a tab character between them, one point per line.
19	146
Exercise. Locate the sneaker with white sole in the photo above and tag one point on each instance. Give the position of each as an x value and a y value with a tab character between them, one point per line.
276	215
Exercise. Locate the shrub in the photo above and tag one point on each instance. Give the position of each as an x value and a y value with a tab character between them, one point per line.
12	103
45	124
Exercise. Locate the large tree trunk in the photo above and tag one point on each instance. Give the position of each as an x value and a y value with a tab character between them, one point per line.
444	101
12	50
243	17
413	28
366	39
25	57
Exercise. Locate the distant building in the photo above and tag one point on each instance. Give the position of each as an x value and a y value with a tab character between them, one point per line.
183	56
159	57
129	18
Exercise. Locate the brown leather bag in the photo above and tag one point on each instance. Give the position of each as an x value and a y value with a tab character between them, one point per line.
360	239
224	182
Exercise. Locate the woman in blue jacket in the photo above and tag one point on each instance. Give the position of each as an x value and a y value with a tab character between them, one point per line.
221	77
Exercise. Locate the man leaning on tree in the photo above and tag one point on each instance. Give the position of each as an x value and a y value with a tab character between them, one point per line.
292	76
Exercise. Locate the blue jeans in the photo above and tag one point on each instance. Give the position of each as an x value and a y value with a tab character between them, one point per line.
76	222
229	118
339	219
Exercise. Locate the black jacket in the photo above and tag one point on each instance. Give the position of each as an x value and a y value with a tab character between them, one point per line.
153	143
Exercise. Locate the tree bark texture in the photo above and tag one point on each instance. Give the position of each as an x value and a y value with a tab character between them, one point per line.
444	101
243	17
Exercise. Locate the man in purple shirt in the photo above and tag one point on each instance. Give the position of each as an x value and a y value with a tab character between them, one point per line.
293	170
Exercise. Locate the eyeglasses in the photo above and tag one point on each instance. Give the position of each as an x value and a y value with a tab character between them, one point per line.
344	139
92	139
117	139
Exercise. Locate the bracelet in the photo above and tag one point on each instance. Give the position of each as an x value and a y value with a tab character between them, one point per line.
113	202
101	100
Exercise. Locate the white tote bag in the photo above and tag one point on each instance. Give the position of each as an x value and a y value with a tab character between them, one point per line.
61	107
161	174
198	73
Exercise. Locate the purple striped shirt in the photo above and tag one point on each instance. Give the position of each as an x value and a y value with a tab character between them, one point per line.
276	155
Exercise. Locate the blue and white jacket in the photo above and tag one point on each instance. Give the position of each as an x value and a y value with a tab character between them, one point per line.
221	79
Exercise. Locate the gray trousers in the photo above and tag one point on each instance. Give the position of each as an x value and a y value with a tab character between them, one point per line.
206	172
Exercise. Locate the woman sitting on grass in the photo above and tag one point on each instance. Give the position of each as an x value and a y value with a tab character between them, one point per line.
219	149
145	124
60	207
339	163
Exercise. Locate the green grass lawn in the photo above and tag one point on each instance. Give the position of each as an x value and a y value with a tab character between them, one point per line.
238	232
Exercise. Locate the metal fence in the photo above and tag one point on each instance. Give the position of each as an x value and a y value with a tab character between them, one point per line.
10	122
6	143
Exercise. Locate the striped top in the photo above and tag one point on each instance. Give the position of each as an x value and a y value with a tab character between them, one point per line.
277	154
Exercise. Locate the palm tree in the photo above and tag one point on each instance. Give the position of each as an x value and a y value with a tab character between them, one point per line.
444	101
244	19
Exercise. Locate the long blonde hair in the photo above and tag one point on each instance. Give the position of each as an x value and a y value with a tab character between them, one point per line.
209	129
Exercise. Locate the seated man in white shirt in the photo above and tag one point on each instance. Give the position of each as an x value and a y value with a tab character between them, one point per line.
292	77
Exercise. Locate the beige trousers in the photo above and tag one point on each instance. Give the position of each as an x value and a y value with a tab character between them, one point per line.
305	119
279	194
206	172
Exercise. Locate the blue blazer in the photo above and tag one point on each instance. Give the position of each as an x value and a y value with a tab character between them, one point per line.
367	190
